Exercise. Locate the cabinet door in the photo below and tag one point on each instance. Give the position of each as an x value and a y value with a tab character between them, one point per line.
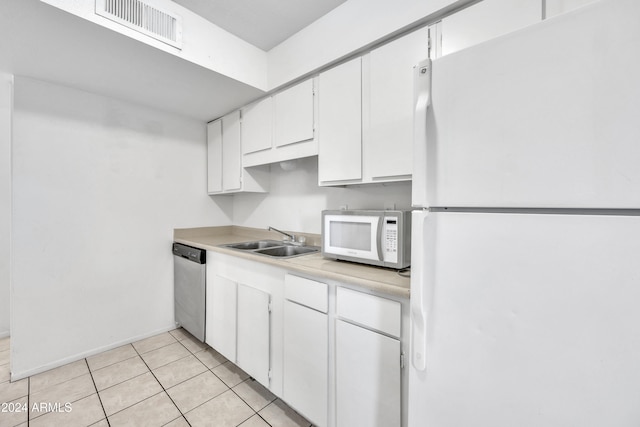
221	315
254	333
257	126
214	157
367	378
231	152
340	123
306	361
294	114
486	20
557	7
388	138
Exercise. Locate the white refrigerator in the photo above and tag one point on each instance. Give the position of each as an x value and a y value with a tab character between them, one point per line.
525	287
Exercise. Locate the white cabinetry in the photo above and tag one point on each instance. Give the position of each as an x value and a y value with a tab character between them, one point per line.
331	352
224	155
257	120
365	130
253	332
240	298
368	361
294	114
280	127
483	21
388	107
306	353
214	157
221	314
340	124
557	7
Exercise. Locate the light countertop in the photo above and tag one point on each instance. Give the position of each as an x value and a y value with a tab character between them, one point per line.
374	278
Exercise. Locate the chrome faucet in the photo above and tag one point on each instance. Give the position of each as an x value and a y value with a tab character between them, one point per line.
291	237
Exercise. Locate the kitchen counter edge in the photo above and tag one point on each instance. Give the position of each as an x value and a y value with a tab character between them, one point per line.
314	265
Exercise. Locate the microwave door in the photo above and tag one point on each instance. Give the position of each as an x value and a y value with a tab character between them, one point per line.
379	239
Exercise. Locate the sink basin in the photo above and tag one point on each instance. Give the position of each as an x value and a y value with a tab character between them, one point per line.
248	246
273	248
287	251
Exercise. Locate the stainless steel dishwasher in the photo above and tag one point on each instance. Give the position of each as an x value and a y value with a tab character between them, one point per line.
189	284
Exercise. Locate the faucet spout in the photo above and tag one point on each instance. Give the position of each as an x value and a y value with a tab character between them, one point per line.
290	236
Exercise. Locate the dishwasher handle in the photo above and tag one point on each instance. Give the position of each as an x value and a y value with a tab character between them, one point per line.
196	255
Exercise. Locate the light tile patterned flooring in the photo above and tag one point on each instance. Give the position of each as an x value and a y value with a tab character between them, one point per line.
170	380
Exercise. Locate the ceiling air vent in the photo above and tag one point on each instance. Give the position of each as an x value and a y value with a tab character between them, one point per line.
144	18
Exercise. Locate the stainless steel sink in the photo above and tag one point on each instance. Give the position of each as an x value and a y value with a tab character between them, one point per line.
273	248
287	251
248	246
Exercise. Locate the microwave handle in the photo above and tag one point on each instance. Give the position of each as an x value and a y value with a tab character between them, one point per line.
379	239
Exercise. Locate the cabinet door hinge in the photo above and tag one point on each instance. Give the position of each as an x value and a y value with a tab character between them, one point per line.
402	360
269	308
269	374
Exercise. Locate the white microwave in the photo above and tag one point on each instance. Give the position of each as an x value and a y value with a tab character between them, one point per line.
380	238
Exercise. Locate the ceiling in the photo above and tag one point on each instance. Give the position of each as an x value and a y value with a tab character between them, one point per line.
41	41
262	23
46	43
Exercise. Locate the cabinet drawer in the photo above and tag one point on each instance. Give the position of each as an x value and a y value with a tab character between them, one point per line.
371	311
306	292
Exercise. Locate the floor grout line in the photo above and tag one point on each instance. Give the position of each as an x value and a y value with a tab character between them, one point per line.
162	386
98	393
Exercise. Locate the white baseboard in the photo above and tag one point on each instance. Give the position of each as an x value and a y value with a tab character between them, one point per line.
15	376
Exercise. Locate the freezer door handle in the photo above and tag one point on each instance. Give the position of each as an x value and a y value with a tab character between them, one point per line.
421	279
422	102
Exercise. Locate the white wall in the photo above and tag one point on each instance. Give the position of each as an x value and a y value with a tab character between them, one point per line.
5	199
295	201
98	187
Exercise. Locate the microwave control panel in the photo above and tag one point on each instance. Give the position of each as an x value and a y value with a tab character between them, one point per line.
390	239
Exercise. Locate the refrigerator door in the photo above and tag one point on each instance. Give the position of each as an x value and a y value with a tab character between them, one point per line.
528	320
543	117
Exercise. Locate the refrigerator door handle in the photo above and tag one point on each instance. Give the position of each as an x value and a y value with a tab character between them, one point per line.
421	280
422	103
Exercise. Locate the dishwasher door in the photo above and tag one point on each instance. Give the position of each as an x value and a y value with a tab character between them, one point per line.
189	274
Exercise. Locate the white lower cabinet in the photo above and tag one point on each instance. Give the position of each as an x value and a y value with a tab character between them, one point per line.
221	315
306	353
367	378
254	332
239	322
330	352
368	361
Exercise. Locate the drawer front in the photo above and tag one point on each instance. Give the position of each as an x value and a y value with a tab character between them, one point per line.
306	292
374	312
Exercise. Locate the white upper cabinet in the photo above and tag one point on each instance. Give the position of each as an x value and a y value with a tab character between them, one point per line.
257	120
231	153
214	157
557	7
280	127
294	114
365	130
483	21
340	124
388	107
225	172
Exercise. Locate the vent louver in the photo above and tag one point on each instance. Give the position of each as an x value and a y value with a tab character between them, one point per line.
143	18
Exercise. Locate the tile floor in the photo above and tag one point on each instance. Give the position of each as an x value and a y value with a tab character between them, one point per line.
170	380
